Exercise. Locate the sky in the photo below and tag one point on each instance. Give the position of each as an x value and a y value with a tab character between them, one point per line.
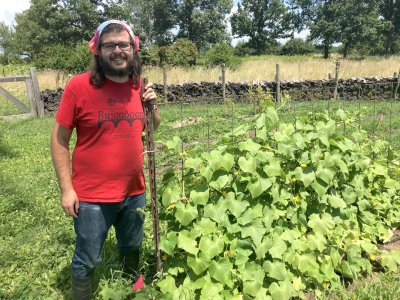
8	8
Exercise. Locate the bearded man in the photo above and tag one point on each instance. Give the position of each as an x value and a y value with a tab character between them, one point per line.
105	186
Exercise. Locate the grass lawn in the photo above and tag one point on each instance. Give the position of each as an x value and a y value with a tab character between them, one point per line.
36	239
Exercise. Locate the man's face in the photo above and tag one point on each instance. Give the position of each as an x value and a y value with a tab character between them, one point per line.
115	62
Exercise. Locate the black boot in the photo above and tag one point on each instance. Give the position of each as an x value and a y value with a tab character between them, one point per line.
81	288
130	263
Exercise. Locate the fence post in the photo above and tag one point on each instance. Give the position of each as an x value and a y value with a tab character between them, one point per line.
278	85
165	83
223	82
397	86
31	97
336	79
36	93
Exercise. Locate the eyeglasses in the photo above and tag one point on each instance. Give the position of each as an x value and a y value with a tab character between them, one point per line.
124	46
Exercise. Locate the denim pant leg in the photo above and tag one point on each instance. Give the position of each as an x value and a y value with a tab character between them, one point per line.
91	228
129	223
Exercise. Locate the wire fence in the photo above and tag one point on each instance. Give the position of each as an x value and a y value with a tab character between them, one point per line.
204	122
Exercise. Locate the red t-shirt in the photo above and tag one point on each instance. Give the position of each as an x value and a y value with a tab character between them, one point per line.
107	162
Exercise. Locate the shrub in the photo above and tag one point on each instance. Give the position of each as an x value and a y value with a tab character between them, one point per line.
182	53
221	54
60	57
297	46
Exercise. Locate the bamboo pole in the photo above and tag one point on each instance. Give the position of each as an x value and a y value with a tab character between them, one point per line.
278	85
336	79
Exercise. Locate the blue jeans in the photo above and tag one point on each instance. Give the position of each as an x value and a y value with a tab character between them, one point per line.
92	225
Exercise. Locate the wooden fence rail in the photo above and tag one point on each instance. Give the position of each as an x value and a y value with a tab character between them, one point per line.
33	92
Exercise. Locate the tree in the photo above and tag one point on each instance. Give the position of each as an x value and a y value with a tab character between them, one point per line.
360	26
6	43
52	22
321	17
390	12
262	21
203	21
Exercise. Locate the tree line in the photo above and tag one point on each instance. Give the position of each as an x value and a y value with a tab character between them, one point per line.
51	31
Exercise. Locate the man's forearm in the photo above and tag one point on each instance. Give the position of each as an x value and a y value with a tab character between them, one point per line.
61	159
156	119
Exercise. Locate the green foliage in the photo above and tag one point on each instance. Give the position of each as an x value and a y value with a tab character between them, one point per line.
182	53
203	22
261	21
222	54
150	56
296	207
297	46
64	58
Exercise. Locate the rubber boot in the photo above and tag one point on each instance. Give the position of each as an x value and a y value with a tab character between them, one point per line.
81	288
130	263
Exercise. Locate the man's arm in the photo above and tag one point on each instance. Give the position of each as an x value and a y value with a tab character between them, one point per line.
150	95
156	119
60	138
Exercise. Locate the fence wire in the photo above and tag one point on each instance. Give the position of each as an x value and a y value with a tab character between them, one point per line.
204	122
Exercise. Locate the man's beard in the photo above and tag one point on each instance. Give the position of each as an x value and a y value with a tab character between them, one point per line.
110	70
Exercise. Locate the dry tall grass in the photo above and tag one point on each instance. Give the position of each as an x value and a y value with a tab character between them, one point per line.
263	69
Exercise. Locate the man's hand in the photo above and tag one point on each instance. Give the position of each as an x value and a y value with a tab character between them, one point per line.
149	94
70	203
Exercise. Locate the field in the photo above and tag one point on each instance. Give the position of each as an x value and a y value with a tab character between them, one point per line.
36	239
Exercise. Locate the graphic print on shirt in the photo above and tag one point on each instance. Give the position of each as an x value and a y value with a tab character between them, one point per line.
115	116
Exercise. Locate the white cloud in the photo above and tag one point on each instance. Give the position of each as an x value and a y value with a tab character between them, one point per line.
8	9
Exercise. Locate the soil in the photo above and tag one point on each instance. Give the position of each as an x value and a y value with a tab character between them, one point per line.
394	243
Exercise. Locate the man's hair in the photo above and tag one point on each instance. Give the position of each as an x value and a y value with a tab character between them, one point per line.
97	75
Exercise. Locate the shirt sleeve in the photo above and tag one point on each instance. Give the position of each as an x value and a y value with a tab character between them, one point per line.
66	112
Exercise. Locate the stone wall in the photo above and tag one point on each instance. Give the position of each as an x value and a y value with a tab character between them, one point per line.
369	88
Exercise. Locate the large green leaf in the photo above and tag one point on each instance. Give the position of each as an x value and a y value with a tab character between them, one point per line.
211	246
306	263
193	163
221	271
170	195
336	201
211	291
281	290
250	146
168	242
174	144
167	285
325	174
260	185
256	231
253	272
275	270
186	213
198	263
272	117
218	161
222	180
216	211
248	165
205	226
187	243
278	248
320	187
236	207
251	288
200	195
321	224
273	168
306	175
